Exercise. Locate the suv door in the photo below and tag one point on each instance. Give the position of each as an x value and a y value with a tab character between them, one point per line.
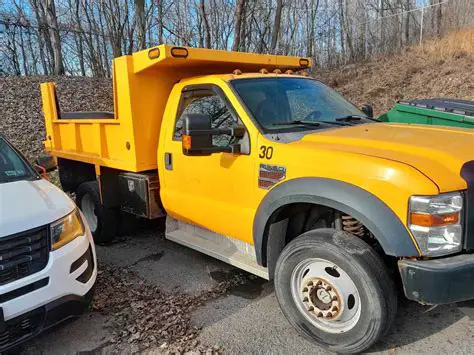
215	191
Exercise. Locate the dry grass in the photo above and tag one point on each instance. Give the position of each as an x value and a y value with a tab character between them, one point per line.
437	68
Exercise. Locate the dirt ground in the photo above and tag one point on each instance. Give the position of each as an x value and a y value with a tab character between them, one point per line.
156	297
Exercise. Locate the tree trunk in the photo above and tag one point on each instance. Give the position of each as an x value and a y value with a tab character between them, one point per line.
238	24
140	23
276	26
207	30
55	38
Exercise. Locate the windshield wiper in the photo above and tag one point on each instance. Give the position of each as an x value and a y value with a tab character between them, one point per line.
349	118
297	122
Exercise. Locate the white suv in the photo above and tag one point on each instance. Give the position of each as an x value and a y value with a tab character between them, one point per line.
47	256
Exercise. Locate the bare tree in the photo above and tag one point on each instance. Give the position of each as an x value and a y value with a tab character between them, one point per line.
239	10
276	25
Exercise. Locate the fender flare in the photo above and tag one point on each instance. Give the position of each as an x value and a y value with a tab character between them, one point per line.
372	212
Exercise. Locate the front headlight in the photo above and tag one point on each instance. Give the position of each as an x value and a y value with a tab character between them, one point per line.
435	222
66	229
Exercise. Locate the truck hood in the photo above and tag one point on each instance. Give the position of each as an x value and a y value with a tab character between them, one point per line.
438	152
29	204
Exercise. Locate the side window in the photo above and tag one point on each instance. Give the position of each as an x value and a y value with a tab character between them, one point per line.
209	103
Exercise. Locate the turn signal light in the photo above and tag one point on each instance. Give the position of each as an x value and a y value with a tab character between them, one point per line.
179	52
154	53
433	220
186	141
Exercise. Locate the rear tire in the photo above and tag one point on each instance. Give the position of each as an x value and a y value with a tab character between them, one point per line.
335	290
103	222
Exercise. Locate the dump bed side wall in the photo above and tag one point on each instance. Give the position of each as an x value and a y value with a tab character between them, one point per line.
122	142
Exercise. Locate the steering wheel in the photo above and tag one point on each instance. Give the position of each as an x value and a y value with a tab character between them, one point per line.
313	115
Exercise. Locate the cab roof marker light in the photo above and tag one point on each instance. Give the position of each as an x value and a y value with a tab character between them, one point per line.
263	71
154	53
179	52
289	72
277	71
237	72
304	62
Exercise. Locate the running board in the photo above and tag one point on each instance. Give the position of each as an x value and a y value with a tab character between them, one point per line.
225	251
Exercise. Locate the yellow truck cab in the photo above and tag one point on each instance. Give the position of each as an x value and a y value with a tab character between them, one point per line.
258	165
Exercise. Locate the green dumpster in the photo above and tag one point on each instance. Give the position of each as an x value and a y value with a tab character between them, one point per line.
444	112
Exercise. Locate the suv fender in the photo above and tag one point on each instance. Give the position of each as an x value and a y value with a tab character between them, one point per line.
372	212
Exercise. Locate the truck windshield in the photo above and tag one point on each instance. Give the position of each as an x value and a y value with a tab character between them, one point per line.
294	103
12	166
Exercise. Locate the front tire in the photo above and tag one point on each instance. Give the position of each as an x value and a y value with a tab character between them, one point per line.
334	289
103	222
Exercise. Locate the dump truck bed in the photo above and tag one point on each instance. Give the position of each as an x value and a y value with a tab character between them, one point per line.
438	111
127	139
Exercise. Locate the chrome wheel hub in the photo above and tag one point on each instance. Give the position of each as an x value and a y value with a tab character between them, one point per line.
325	295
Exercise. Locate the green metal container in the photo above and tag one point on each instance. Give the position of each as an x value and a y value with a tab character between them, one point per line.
444	112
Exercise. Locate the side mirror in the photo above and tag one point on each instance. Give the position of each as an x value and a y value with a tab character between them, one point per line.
198	132
45	164
368	110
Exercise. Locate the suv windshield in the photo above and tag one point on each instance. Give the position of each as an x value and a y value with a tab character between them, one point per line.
12	166
294	103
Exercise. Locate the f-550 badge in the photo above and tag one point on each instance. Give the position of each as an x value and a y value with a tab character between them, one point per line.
269	175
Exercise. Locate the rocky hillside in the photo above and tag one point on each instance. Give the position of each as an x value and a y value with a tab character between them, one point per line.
437	68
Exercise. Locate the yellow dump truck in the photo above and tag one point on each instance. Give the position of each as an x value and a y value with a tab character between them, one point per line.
258	165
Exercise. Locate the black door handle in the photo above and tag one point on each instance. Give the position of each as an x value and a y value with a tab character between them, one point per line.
168	161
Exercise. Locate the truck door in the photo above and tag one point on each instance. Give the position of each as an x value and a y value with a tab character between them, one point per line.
216	191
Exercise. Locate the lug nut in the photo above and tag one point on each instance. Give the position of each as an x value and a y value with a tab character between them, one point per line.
328	288
329	315
320	314
319	283
334	298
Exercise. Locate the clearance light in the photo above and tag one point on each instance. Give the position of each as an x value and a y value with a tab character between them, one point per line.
263	71
277	71
304	62
179	52
154	53
186	141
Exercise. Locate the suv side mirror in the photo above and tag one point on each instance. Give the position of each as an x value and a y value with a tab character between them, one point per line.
45	164
368	110
198	132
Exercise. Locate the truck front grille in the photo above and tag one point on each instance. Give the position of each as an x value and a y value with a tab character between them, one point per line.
23	254
21	328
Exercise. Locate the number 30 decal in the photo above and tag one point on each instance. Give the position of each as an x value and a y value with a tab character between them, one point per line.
266	152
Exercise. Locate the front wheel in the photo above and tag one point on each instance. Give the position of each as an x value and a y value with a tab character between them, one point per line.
334	289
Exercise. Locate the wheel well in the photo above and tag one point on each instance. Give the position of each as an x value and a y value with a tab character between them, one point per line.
73	173
292	220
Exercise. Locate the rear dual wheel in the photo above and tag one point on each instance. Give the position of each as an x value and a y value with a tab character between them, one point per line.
103	222
334	289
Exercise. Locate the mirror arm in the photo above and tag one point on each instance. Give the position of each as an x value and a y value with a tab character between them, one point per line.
236	131
233	149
